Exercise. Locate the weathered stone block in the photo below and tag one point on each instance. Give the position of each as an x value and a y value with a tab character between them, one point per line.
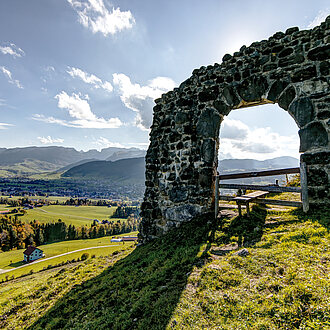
208	150
314	158
178	194
276	89
312	136
317	176
209	123
205	178
325	68
291	30
287	97
269	67
226	57
222	107
323	114
185	102
228	95
181	118
209	94
252	89
304	74
302	110
291	60
286	52
319	53
182	213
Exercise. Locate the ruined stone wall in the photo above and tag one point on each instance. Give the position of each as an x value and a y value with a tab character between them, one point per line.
291	69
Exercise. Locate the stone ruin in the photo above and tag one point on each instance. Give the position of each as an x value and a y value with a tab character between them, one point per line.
290	69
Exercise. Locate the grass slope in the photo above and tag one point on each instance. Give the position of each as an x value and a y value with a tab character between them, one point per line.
183	281
24	300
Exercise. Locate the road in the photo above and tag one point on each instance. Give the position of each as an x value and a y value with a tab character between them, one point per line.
2	271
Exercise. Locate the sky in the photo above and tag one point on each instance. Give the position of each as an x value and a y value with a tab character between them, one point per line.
84	73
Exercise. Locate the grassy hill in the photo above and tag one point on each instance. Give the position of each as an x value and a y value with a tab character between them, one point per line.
123	170
192	278
27	168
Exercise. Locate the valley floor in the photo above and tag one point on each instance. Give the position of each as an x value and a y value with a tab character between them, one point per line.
192	278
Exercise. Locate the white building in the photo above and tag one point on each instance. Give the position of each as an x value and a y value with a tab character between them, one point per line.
32	253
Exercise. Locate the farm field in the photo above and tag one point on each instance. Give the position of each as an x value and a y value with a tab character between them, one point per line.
97	247
74	215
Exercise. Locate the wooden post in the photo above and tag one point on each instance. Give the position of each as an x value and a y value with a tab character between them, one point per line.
304	187
216	197
248	209
239	209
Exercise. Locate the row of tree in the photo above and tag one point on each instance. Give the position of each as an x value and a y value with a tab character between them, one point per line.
15	234
122	212
23	201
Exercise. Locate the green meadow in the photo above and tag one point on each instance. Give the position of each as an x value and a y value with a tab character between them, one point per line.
100	246
74	215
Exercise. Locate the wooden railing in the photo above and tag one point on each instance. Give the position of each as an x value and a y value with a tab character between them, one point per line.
270	188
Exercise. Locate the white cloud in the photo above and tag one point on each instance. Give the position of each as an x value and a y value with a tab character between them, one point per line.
50	68
5	126
141	98
321	16
105	143
11	49
91	79
255	147
93	14
237	140
78	109
51	120
49	140
234	129
8	74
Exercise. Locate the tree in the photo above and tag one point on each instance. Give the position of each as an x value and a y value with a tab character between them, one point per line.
13	239
101	231
39	237
5	241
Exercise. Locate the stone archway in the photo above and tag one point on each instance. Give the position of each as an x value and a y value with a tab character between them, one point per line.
291	69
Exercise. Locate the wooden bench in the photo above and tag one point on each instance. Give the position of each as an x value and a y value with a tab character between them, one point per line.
246	199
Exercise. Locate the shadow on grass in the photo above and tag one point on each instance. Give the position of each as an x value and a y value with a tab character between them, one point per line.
140	291
17	264
317	214
245	230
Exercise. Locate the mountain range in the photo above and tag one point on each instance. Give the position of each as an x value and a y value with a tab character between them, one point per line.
133	169
117	164
234	165
35	160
